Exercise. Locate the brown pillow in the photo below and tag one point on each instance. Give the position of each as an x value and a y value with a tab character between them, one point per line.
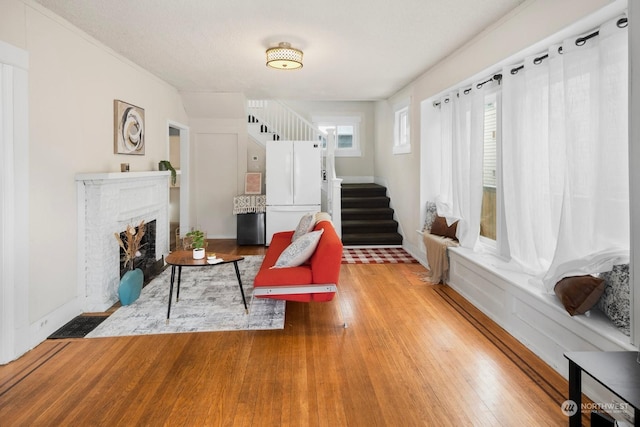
440	228
579	293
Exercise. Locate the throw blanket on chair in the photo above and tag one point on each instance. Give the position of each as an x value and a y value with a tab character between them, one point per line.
437	258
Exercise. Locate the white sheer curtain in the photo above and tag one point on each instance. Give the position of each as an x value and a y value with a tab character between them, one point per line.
532	164
462	120
444	199
594	229
565	158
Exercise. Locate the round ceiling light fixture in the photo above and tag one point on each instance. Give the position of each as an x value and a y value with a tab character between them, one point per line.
284	57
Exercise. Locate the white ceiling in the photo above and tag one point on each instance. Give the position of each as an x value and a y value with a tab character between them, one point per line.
353	49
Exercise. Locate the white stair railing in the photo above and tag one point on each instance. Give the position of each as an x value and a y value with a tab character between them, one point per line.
282	121
333	184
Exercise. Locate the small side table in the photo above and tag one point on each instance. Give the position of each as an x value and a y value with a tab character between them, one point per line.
181	259
618	371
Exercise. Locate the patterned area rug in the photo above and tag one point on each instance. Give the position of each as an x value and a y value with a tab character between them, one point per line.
210	300
376	256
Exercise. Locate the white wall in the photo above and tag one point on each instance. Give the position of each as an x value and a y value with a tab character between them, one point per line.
255	150
73	81
530	23
400	173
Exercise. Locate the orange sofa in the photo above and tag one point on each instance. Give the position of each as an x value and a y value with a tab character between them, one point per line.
315	280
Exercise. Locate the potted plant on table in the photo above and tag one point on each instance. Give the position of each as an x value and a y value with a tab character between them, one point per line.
197	243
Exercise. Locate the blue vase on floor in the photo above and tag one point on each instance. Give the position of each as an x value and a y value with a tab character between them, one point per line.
130	286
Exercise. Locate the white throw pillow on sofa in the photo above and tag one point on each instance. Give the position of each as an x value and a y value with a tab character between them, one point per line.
299	251
306	224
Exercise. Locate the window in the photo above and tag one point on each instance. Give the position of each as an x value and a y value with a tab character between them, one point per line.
515	163
489	166
401	134
346	130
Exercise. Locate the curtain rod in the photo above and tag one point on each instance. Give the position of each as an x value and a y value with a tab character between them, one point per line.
496	77
580	41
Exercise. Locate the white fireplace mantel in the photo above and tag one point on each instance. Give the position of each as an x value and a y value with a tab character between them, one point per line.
107	203
105	176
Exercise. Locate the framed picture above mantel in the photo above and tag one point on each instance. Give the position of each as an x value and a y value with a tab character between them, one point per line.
129	130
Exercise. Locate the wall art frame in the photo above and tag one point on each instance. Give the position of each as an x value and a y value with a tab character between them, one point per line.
253	183
129	128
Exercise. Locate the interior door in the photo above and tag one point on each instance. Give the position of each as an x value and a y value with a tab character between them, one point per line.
216	169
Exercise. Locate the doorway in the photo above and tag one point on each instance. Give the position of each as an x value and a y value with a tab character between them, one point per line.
15	334
178	147
174	189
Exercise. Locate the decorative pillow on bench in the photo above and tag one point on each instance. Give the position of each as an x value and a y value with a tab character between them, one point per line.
431	214
615	300
435	224
579	294
440	228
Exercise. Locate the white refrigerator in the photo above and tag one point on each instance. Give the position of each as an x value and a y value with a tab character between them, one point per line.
294	181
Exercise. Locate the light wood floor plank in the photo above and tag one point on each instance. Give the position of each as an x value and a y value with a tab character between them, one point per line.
413	354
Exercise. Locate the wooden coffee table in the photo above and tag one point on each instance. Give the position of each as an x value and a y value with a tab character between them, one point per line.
181	259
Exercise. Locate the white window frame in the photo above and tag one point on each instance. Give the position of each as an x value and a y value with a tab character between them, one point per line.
402	134
500	246
354	121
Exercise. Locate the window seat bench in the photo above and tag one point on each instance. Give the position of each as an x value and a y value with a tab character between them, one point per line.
533	316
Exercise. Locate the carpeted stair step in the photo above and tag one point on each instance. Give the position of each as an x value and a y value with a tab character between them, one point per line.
365	202
369	226
367	218
363	190
375	239
367	214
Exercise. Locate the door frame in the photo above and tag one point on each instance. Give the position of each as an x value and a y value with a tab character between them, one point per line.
15	338
184	170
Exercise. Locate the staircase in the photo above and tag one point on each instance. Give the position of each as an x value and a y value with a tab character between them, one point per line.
367	219
273	120
260	131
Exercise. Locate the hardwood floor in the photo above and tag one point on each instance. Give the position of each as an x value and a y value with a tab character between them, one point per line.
414	354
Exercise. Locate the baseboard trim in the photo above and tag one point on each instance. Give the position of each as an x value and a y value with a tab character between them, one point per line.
48	324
